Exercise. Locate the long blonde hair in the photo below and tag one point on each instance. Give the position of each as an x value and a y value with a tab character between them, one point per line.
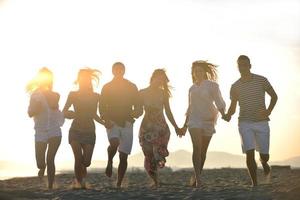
166	87
43	80
92	76
210	69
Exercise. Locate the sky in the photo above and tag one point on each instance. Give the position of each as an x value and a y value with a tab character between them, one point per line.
66	35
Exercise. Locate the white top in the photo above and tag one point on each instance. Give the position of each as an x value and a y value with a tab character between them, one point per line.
48	119
204	102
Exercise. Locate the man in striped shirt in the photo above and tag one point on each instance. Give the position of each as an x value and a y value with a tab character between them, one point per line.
254	129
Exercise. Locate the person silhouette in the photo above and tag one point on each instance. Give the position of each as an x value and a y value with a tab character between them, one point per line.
205	101
82	134
154	132
119	106
254	129
48	119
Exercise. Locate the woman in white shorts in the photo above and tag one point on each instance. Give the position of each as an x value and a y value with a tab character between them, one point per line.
205	100
48	119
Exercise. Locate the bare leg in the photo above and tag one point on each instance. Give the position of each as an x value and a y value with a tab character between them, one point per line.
264	158
154	176
204	145
78	167
150	167
52	149
111	152
88	150
197	161
122	168
40	151
252	167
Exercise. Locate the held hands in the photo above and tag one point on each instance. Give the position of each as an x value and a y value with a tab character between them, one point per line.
181	131
70	114
178	131
108	124
226	117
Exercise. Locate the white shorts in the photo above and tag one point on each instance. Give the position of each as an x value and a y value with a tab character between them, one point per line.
255	135
200	131
124	134
207	127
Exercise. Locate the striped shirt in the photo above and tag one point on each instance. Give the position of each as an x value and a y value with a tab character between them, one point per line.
251	97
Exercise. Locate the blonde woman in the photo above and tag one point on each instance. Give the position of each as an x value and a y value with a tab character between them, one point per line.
44	110
82	135
205	101
154	131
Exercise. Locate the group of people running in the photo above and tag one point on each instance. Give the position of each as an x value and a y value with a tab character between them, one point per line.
120	103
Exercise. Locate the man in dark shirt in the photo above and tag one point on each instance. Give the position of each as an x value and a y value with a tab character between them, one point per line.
119	106
249	91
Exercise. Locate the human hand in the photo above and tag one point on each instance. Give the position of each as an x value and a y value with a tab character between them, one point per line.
108	124
70	114
263	114
135	114
226	117
182	131
178	131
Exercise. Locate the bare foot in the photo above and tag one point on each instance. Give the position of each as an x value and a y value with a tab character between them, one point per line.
108	170
268	177
41	173
266	167
155	184
267	172
195	183
118	185
254	185
50	187
53	186
83	184
76	184
198	184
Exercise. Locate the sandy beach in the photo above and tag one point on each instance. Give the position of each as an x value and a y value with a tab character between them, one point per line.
224	183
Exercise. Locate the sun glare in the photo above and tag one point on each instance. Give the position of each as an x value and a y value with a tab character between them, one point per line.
67	36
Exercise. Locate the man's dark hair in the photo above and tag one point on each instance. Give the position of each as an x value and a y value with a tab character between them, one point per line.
244	57
118	65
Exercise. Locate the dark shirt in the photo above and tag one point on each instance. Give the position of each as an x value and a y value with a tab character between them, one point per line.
119	100
85	108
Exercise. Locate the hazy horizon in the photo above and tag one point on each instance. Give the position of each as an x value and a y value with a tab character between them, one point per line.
180	159
68	35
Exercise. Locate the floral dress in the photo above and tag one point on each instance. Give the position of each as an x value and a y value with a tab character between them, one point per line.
154	132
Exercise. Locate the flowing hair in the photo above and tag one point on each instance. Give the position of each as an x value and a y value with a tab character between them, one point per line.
91	75
166	87
43	79
210	70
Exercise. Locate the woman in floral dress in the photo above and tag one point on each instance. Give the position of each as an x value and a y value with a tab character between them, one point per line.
154	132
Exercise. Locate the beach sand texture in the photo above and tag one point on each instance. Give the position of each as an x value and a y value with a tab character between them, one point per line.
226	183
